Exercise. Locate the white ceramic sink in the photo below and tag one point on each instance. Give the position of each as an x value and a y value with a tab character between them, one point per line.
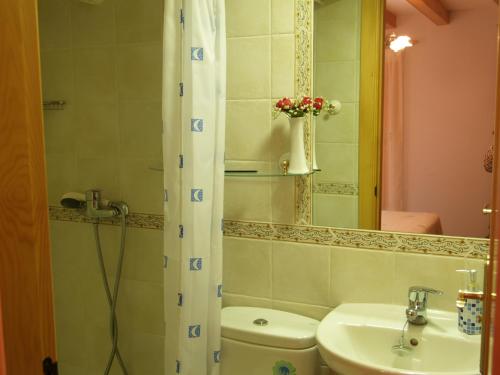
357	339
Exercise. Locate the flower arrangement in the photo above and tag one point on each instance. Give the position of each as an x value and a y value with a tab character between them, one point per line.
304	105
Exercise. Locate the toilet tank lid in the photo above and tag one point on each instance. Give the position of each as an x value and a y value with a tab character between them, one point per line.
283	329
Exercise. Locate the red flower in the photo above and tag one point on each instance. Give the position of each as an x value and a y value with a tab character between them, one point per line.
280	104
306	101
287	103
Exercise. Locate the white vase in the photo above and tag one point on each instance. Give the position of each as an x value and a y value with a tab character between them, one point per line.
298	161
313	132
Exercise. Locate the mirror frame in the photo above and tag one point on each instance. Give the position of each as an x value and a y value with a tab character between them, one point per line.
370	114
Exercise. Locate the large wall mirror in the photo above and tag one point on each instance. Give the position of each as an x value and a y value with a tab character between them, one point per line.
438	116
412	157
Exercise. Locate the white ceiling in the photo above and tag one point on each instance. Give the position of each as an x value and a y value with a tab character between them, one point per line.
402	7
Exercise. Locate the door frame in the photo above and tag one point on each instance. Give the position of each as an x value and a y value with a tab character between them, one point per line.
25	263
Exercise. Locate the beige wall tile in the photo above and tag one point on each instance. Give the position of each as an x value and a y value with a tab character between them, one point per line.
101	174
248	127
60	133
431	271
247	198
282	16
139	21
301	273
95	74
249	78
340	211
311	311
139	71
283	200
54	23
341	128
282	65
230	299
57	74
361	276
248	18
141	307
96	126
144	257
70	336
73	370
140	129
148	354
247	267
337	162
340	80
142	187
337	31
61	177
91	24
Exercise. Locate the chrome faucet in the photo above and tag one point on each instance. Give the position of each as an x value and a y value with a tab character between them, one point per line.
96	207
416	313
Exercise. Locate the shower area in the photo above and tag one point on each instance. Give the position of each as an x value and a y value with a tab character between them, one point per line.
102	92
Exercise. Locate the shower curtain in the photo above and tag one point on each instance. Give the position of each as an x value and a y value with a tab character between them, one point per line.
393	141
193	133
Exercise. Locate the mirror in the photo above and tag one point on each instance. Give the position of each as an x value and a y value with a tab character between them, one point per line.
336	57
439	116
431	180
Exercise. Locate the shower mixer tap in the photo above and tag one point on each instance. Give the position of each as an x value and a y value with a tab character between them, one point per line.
96	207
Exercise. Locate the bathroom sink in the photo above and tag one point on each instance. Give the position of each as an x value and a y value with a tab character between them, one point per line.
358	339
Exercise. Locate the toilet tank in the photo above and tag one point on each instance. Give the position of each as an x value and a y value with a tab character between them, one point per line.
258	341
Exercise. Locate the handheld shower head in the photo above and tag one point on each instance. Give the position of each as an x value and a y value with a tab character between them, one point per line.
73	200
94	205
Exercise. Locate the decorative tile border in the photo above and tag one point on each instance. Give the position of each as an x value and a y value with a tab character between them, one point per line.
335	188
373	240
134	220
303	86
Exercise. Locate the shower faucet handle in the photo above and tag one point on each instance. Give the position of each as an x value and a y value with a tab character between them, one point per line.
93	199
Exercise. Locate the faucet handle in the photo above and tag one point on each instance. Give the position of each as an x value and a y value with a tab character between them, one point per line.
419	289
418	294
417	304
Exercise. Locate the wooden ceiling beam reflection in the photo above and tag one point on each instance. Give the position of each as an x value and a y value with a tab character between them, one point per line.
391	20
433	10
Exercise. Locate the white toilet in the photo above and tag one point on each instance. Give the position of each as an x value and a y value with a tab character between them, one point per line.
257	341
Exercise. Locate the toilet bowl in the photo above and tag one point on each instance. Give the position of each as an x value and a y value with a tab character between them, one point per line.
257	341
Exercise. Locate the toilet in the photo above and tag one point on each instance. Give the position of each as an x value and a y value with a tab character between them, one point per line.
258	341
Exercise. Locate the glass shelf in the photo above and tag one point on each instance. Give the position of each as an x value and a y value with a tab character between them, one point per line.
262	173
235	172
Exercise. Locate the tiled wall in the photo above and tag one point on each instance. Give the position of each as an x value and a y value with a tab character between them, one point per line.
105	61
260	68
336	76
81	309
312	279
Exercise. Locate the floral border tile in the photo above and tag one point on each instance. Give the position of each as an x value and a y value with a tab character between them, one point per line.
134	219
372	240
303	86
263	231
335	188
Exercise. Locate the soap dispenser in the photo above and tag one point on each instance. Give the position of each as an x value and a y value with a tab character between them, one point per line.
470	305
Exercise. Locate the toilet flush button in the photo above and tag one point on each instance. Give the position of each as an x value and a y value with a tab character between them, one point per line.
260	322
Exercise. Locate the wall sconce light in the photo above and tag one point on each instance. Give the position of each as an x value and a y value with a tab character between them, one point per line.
399	43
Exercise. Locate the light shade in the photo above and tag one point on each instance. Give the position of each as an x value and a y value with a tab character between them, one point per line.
401	42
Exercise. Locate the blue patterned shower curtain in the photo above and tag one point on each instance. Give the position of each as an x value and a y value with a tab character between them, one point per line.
193	131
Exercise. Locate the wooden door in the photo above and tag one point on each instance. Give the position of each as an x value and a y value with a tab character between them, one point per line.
25	273
490	360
